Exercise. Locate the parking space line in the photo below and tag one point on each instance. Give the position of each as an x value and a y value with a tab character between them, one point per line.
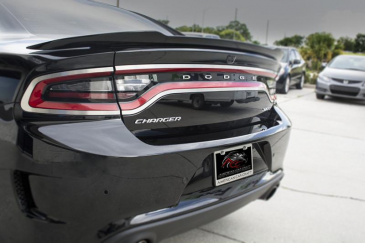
323	195
324	133
224	236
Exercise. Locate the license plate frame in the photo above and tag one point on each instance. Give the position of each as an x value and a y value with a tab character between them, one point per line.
234	164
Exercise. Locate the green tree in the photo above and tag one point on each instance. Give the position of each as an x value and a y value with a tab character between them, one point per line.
294	41
320	44
210	30
193	28
348	43
321	47
360	43
256	42
164	21
305	52
231	34
184	28
337	50
240	28
234	30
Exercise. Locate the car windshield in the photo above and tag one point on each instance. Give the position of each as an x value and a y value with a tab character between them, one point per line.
286	55
69	18
349	62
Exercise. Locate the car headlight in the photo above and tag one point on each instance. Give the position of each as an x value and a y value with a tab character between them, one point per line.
323	78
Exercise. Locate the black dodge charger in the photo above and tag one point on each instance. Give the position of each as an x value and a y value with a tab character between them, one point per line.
116	128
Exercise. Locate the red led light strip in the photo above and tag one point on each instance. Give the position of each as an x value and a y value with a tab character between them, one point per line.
36	100
186	85
35	103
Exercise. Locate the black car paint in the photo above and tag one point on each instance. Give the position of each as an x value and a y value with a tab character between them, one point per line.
84	178
88	192
78	180
294	68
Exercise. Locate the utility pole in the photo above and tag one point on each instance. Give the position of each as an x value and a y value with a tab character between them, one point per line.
267	31
194	23
235	19
204	19
118	3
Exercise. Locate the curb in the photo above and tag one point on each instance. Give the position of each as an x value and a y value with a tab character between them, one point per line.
311	86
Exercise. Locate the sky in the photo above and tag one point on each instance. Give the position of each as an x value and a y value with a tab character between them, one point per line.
286	17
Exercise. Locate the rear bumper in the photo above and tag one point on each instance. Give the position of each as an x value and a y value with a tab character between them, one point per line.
97	187
167	224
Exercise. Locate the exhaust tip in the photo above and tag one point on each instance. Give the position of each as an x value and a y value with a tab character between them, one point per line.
269	194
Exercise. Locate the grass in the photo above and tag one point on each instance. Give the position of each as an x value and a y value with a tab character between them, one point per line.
353	54
311	77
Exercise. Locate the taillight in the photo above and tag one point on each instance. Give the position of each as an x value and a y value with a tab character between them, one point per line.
140	86
128	86
136	87
83	92
90	90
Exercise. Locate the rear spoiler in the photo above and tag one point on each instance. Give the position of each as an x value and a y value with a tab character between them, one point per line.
127	40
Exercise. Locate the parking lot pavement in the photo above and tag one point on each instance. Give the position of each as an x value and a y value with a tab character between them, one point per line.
322	197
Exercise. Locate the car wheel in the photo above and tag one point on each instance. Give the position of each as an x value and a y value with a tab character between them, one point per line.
286	87
227	104
320	96
301	83
198	102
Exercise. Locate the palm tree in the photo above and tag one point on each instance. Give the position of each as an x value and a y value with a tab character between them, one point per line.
320	47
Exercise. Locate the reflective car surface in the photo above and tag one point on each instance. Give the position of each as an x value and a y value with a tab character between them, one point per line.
202	35
116	128
292	72
343	77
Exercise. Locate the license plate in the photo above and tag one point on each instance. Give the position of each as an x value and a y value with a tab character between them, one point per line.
233	164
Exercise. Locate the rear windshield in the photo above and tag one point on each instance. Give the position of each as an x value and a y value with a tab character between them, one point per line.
70	18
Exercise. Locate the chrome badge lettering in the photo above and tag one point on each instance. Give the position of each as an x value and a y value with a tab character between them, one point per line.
158	120
217	77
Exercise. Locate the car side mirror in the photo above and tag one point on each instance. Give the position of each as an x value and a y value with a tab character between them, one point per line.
297	61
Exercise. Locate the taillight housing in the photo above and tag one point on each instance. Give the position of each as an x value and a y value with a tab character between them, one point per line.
136	87
128	86
91	90
83	92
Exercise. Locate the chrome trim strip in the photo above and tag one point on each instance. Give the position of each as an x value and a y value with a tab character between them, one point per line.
197	66
25	100
180	91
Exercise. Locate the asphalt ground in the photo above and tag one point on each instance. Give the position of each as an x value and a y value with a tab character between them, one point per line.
322	197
